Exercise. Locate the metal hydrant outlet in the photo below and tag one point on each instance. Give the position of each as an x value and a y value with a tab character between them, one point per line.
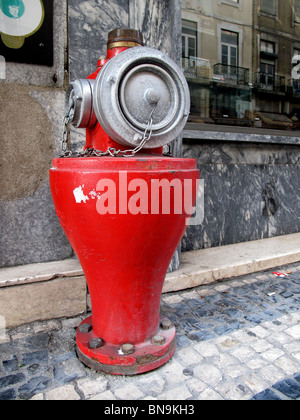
123	205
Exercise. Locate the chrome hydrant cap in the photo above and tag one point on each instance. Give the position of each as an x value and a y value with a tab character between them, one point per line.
136	86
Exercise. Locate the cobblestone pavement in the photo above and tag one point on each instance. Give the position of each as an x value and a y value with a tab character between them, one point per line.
236	340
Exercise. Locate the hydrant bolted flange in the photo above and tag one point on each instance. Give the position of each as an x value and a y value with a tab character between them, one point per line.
127	359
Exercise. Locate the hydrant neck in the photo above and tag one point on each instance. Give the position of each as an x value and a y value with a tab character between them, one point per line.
112	52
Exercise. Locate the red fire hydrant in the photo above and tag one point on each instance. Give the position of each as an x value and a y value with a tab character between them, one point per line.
124	206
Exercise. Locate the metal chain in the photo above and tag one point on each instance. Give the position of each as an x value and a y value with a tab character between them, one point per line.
111	151
65	152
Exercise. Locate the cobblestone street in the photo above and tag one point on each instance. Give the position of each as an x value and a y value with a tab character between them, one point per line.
236	340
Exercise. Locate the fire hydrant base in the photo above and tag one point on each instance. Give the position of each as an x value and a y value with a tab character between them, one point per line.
109	358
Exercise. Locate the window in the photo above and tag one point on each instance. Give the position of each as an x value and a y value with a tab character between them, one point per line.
267	47
189	39
297	10
229	52
189	46
269	7
239	62
267	64
267	73
230	42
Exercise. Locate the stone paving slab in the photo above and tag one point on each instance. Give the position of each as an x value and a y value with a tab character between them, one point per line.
236	340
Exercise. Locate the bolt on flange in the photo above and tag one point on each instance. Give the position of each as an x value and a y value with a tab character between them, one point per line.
127	349
166	324
85	328
96	343
158	339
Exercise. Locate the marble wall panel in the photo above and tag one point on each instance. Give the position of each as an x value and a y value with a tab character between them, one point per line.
91	21
160	22
29	228
31	110
251	192
89	24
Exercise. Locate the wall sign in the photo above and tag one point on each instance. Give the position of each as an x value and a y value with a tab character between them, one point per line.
26	31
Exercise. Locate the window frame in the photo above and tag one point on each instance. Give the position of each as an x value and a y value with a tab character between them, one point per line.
231	28
187	36
229	49
233	3
296	20
269	15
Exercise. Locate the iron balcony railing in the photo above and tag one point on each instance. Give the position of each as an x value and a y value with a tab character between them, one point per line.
231	74
271	82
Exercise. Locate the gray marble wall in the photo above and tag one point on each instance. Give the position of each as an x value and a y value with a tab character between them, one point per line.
89	24
252	191
31	107
91	21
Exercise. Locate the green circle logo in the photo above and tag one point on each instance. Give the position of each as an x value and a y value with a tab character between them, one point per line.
13	9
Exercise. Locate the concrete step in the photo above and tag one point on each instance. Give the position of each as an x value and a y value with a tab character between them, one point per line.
216	264
58	289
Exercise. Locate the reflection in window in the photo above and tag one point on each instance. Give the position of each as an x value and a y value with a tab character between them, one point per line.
267	73
229	47
269	7
189	46
240	65
267	65
189	39
267	47
297	10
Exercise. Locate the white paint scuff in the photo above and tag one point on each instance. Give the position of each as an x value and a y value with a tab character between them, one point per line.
79	195
94	195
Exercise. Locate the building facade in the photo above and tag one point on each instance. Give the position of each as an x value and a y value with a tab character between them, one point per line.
216	37
241	60
276	58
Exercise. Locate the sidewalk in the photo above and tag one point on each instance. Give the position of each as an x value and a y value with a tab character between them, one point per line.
236	340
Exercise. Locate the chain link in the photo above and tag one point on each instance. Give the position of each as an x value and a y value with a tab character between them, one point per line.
65	152
111	151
